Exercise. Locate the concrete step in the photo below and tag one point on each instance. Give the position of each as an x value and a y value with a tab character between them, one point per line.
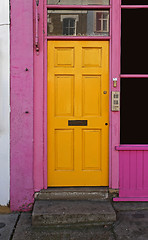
73	193
72	213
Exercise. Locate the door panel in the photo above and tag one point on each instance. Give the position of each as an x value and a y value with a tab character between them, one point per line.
64	94
91	151
64	151
91	57
78	89
91	102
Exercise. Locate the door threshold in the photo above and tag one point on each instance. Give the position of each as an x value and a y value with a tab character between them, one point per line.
73	193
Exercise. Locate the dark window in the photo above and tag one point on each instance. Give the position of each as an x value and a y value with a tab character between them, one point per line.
135	2
68	26
134	41
133	113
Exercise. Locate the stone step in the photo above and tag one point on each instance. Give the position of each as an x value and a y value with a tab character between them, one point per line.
72	213
73	193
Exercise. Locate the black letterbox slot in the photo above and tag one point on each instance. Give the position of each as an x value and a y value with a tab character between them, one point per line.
77	122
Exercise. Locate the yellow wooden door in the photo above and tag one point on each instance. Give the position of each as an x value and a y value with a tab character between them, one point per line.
78	89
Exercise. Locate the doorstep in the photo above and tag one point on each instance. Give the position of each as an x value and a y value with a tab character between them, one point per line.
72	213
73	193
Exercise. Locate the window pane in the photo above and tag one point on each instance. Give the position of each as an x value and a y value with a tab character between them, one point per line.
105	25
99	15
134	47
133	111
105	15
134	2
71	22
78	2
71	31
78	22
98	25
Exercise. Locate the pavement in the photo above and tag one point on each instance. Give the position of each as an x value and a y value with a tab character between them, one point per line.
132	223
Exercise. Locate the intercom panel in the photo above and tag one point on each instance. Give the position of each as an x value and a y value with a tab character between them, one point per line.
116	101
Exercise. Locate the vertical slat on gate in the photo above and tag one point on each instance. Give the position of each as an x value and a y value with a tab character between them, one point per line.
124	172
126	161
145	167
121	167
139	170
133	163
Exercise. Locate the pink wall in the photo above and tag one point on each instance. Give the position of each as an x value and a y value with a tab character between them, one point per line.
39	153
115	116
21	105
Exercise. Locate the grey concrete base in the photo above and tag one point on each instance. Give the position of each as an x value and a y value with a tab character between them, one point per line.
131	225
7	224
25	230
51	213
130	206
73	193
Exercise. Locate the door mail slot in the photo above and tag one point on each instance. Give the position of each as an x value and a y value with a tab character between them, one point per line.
77	122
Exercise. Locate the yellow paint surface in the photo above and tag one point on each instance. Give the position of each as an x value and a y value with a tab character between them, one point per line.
78	89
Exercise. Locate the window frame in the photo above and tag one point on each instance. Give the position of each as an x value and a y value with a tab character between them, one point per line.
132	76
102	21
70	17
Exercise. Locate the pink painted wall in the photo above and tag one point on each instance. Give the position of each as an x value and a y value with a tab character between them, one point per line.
39	108
115	116
21	135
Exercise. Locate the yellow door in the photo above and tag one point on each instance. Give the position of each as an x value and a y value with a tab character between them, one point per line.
78	89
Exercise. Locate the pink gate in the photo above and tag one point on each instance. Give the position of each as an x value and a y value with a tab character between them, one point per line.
133	169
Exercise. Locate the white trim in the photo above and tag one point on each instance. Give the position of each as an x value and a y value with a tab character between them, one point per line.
75	17
4	104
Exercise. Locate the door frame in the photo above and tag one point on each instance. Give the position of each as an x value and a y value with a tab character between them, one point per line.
29	105
40	89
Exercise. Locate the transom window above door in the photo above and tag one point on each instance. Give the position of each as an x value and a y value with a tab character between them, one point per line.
78	2
75	22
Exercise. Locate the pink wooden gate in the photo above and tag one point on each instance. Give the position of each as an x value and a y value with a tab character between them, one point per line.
133	173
